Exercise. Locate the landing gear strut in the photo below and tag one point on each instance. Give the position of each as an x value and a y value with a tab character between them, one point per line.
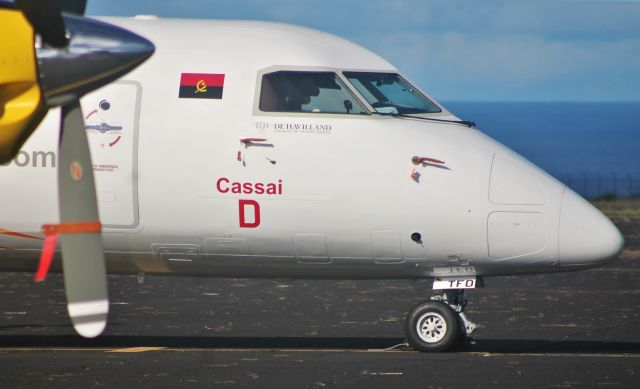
439	324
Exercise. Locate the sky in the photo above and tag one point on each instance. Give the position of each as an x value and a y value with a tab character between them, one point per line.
488	50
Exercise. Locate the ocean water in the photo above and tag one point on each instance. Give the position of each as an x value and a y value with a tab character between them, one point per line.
592	147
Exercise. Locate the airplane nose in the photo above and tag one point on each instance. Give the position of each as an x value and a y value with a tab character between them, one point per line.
587	237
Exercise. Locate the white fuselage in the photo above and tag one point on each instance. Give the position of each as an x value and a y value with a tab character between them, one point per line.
324	195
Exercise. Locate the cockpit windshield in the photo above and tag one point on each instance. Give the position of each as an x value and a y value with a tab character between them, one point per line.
389	93
307	92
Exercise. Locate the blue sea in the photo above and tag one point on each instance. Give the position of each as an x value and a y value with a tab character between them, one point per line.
592	147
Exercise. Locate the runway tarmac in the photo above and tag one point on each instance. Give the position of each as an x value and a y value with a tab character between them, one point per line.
558	330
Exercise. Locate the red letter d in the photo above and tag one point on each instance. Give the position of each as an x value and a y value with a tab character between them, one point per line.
256	213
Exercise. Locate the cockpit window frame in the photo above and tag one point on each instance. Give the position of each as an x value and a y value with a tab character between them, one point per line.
338	74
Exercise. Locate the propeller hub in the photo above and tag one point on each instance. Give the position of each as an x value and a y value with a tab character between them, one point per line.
97	54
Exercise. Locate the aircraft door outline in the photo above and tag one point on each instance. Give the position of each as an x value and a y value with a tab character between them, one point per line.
112	117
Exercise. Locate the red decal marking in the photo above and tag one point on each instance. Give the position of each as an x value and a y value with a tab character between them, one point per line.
18	234
415	175
420	160
115	141
250	140
256	213
90	113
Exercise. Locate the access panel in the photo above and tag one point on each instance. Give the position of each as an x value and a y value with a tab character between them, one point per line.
111	120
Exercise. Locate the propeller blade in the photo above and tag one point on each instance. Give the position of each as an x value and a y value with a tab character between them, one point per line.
83	262
76	7
46	19
78	55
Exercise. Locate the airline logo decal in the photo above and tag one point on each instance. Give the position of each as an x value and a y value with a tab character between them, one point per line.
201	86
109	134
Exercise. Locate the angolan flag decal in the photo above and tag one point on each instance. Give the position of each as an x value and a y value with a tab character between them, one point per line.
201	86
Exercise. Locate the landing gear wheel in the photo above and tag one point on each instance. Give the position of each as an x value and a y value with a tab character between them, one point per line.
432	326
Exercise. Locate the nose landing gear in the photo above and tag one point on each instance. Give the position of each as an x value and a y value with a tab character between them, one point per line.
439	324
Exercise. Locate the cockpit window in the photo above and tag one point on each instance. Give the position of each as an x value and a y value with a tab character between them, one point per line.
317	92
385	91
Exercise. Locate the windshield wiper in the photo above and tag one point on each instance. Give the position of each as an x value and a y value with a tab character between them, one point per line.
466	123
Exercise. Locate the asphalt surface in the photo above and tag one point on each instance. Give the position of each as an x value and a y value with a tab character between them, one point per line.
558	330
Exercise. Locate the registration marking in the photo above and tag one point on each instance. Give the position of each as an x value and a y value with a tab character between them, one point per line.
440	283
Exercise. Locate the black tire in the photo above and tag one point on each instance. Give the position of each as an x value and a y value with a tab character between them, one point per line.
440	327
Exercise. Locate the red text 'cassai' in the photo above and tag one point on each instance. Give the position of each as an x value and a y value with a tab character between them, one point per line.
225	185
